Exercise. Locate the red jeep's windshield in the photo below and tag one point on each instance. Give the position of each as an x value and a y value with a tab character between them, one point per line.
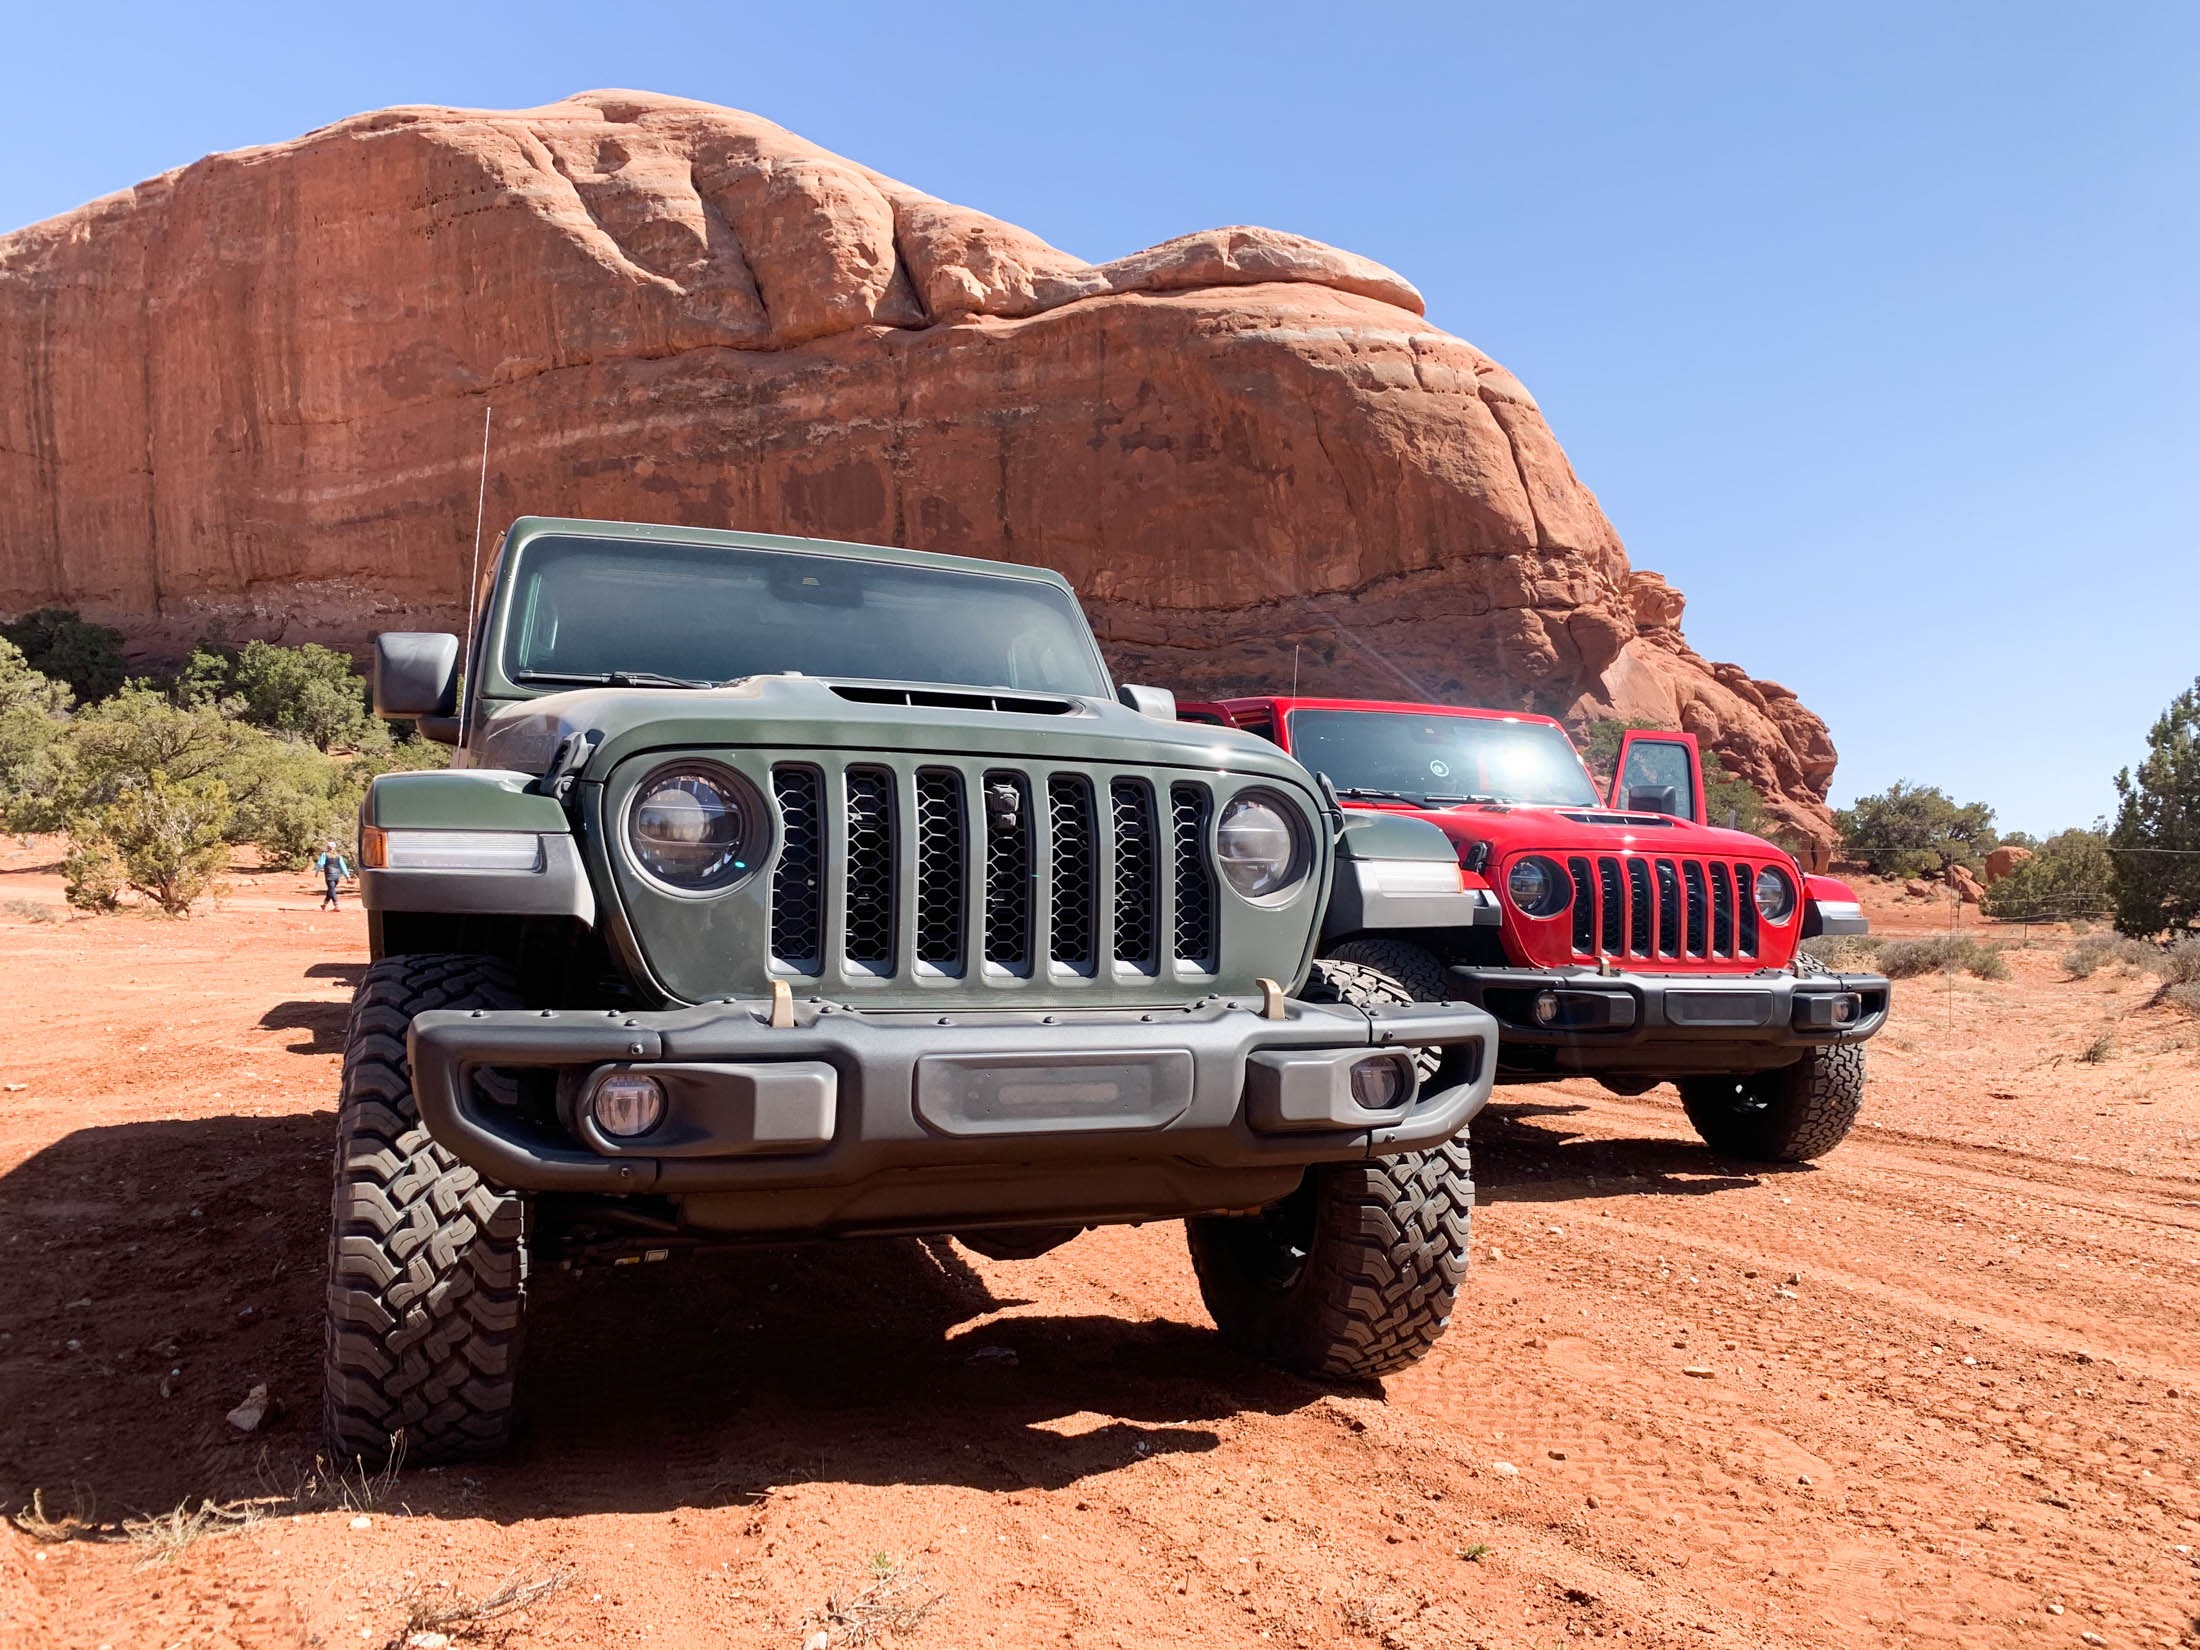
1435	761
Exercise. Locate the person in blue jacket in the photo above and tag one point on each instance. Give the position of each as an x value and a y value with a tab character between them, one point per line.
333	871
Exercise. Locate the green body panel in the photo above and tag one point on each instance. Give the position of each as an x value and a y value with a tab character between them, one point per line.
467	799
1369	835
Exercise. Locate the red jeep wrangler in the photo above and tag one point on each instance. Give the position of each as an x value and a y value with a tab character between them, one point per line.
1621	937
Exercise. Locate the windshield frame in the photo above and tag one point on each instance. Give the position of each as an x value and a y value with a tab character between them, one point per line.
1420	798
505	678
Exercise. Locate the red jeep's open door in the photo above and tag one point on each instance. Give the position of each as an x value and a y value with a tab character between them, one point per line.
1659	773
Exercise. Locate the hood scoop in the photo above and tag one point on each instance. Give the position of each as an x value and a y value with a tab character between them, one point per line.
1661	820
1021	704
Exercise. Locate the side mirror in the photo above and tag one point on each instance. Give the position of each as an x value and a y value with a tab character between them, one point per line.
415	675
1158	703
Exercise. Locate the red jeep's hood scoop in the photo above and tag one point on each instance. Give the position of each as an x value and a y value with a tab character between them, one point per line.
1663	821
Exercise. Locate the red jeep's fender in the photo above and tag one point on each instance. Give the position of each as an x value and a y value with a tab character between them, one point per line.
1831	907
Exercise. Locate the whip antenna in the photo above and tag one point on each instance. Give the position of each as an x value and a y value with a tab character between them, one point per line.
473	582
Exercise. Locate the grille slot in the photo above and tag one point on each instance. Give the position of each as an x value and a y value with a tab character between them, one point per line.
1137	875
1008	872
1585	908
1189	806
941	880
1669	909
1745	912
1638	908
1698	901
870	875
798	885
1075	865
1613	913
1722	912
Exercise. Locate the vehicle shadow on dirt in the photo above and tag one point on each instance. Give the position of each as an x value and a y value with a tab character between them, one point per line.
1524	1152
325	1022
189	1254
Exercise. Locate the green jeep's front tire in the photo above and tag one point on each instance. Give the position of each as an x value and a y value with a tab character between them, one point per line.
427	1274
1353	1276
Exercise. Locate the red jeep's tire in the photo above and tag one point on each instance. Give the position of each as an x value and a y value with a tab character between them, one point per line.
1352	1276
427	1274
1791	1115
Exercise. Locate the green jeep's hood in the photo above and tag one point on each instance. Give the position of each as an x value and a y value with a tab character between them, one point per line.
804	713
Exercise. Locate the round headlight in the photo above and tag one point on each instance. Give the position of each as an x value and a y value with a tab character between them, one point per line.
1775	894
692	827
1539	886
1262	851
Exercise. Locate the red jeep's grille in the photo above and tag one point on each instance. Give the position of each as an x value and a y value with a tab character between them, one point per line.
1639	907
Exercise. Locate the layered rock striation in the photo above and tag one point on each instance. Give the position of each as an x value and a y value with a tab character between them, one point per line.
251	391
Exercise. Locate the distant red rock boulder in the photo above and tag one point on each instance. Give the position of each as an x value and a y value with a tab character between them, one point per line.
250	390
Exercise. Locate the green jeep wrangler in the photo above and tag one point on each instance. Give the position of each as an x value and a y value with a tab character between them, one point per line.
787	889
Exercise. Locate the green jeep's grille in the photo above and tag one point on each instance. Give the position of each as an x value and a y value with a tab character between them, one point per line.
1022	869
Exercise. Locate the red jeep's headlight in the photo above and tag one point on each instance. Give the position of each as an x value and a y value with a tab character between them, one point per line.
1775	894
1540	887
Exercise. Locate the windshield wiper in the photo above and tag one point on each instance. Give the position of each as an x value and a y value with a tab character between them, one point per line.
610	678
1454	801
1366	791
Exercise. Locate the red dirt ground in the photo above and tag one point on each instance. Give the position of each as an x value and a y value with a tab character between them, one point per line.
1974	1420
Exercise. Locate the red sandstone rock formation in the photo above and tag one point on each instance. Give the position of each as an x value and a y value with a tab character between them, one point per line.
251	391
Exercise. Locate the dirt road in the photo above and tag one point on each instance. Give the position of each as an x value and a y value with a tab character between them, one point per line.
1943	1388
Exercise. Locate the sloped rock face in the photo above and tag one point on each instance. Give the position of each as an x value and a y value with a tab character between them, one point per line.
251	392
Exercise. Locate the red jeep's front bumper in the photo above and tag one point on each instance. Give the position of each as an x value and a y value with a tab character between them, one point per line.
1556	1022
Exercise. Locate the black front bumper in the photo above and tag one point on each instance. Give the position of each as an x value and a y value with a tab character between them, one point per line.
866	1121
1556	1022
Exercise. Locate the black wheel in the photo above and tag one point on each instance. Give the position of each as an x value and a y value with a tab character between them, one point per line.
1354	1274
1791	1115
427	1276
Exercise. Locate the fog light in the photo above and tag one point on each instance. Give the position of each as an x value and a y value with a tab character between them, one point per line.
1845	1010
1546	1008
1379	1084
627	1104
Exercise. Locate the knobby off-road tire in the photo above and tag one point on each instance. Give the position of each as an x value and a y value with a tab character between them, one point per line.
427	1274
1791	1115
1353	1275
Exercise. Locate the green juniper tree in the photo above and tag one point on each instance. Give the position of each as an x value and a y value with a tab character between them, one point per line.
2155	841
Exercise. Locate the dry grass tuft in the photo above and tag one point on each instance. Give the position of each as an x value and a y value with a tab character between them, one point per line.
2098	951
80	1520
31	910
2097	1051
461	1617
892	1599
166	1535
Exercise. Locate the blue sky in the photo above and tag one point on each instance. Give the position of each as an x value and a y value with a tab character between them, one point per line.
1874	326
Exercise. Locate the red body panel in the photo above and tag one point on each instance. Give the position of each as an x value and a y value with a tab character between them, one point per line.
1638	899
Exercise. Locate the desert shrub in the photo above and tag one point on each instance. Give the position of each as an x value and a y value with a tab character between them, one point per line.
2156	838
311	692
2180	964
58	643
2098	951
2186	997
2070	874
29	910
1916	830
1845	953
1942	954
170	840
91	877
31	710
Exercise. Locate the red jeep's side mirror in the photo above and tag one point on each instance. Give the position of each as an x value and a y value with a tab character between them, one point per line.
1659	773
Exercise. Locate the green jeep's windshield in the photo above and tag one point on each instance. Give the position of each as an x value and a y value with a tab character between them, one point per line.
1396	756
586	609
